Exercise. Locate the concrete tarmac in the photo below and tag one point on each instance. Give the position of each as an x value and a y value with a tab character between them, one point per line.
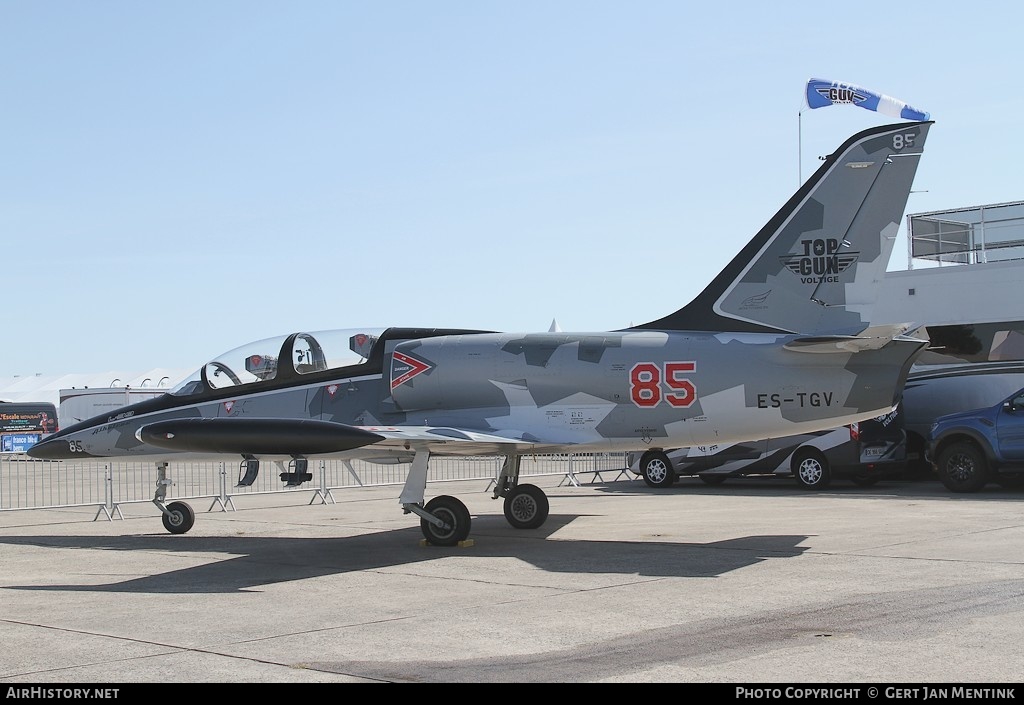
748	582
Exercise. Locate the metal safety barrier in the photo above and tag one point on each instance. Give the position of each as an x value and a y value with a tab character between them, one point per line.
26	483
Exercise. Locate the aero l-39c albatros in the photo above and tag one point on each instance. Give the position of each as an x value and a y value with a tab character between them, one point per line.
780	342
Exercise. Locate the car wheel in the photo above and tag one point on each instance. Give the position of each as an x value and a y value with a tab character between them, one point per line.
962	468
810	469
657	469
713	479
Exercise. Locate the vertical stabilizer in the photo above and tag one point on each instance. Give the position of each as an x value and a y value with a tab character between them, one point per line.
815	267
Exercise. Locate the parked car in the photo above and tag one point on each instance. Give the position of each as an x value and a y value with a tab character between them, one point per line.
969	449
864	452
936	390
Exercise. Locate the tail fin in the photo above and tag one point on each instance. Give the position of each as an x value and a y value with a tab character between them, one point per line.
816	265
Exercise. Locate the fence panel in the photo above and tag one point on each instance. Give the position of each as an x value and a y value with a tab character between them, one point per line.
26	483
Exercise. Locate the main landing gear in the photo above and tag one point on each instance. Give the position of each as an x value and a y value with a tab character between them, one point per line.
445	521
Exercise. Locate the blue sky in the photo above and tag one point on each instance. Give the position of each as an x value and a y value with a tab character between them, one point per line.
179	178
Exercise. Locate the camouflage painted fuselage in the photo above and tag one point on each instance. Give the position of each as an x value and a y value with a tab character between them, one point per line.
551	392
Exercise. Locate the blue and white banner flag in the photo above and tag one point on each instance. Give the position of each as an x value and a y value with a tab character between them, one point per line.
822	93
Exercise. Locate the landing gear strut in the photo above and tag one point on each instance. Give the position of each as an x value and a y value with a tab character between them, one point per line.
178	517
526	506
445	521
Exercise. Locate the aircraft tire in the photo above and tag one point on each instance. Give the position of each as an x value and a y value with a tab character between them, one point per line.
657	469
811	470
526	507
452	512
713	479
962	468
181	518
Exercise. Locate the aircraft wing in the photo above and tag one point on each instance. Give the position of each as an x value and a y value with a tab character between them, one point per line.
299	437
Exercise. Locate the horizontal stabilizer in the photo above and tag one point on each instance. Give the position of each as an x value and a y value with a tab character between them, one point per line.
264	436
871	338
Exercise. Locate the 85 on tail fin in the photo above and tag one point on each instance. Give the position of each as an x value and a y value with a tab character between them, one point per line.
815	266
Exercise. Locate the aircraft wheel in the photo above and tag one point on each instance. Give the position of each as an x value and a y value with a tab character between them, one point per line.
526	507
180	519
963	468
713	479
453	513
810	469
657	469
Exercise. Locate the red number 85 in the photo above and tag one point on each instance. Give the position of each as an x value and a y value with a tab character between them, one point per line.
645	381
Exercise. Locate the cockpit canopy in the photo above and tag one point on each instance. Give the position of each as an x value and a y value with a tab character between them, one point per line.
285	355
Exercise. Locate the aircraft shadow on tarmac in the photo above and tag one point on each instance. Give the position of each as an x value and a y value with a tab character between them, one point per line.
265	560
765	486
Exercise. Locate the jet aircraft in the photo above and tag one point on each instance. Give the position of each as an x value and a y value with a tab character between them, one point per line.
781	342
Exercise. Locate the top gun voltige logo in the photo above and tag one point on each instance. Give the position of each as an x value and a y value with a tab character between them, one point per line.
841	94
820	260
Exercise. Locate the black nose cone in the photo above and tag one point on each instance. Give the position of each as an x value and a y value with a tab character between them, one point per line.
52	449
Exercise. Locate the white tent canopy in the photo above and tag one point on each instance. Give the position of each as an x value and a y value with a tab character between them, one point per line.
46	388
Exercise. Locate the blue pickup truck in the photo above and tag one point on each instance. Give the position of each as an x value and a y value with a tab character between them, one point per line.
969	449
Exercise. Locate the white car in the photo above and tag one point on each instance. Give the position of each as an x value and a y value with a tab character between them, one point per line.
864	452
